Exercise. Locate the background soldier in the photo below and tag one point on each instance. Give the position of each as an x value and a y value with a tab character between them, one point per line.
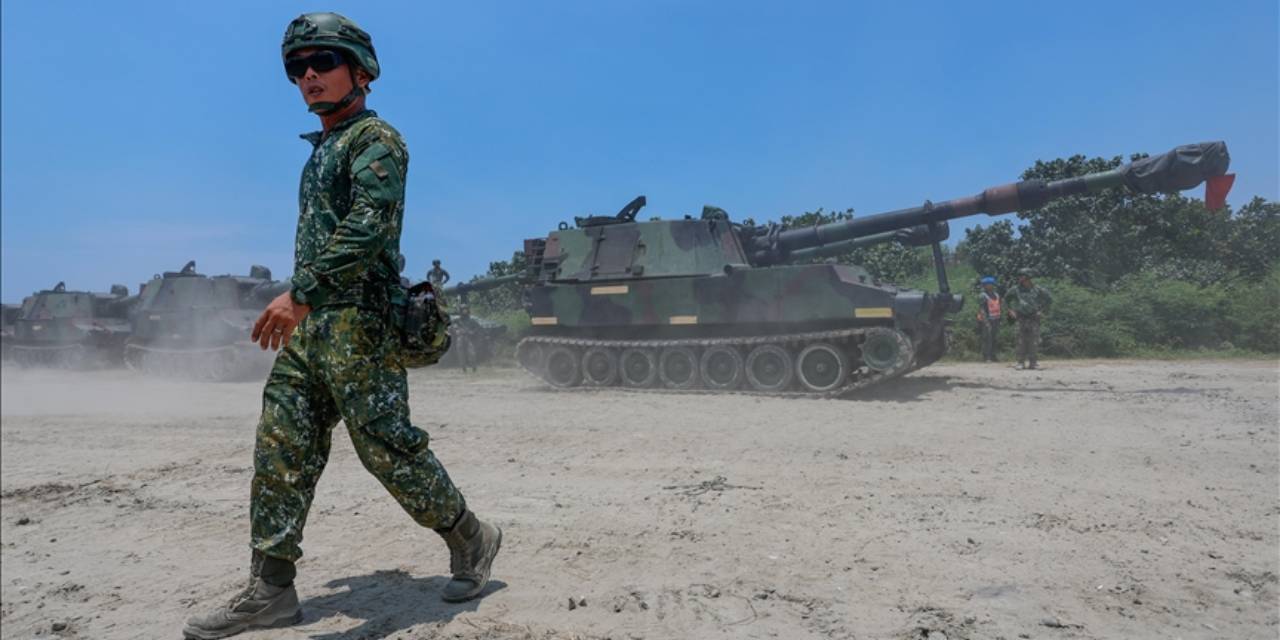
1028	303
466	331
989	314
437	276
339	358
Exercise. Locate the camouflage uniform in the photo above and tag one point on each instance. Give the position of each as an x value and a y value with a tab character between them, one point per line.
465	331
1029	303
343	361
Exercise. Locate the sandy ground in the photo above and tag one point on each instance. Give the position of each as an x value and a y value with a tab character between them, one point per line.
1090	500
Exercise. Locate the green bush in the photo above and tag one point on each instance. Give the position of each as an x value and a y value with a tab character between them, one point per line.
1253	313
1144	314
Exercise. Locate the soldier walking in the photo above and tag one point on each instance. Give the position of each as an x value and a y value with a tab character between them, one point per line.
1028	302
989	314
339	353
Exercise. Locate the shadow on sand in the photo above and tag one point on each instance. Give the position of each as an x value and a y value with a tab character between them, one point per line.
906	389
387	602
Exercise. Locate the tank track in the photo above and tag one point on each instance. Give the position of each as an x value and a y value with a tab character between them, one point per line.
70	356
859	377
213	364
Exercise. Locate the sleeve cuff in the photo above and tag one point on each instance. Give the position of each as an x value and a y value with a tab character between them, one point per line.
306	289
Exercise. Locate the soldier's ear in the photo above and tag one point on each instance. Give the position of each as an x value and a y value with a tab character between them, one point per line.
363	80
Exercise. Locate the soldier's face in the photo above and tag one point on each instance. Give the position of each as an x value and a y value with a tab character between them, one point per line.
328	86
1024	281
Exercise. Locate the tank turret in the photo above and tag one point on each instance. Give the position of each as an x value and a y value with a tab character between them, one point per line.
707	303
191	325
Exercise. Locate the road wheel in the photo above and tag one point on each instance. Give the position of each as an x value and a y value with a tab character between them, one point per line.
886	350
531	356
638	368
600	367
721	367
769	368
562	368
678	368
822	367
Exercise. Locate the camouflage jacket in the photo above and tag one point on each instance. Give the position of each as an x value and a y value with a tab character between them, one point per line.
1030	302
350	212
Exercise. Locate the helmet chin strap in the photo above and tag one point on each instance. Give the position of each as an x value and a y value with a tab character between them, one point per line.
330	108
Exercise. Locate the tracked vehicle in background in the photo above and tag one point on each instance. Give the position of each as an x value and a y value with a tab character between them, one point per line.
194	326
64	329
711	305
8	316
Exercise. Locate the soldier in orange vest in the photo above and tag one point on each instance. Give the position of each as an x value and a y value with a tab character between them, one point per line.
989	315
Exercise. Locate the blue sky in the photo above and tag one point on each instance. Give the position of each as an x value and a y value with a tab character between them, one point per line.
138	135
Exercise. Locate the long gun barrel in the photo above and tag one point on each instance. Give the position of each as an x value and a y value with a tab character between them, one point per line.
463	288
917	236
1182	168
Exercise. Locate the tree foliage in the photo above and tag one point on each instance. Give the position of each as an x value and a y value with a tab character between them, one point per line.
1134	272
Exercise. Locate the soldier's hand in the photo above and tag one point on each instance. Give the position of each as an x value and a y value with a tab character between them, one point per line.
275	326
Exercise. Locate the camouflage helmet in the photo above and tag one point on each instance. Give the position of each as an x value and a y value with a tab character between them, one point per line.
1025	273
332	31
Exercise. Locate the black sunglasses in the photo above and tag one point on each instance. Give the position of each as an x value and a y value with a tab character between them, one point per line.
320	61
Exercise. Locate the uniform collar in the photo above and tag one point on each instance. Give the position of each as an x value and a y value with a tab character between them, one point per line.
316	137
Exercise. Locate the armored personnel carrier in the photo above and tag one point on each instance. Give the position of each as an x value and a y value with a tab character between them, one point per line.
712	305
71	329
190	325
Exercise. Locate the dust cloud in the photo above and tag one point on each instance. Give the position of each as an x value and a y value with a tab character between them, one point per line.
1091	499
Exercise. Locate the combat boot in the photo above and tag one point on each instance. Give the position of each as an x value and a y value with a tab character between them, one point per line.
260	605
473	544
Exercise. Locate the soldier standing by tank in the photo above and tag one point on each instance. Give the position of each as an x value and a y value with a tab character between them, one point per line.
467	331
339	357
1028	302
989	314
437	276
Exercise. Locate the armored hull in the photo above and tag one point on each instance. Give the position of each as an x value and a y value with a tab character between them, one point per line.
806	329
192	326
62	329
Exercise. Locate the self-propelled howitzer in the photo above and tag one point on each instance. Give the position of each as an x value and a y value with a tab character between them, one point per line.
191	325
709	304
67	329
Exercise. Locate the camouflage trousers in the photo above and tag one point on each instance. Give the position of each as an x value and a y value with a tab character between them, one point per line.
341	364
1028	338
466	350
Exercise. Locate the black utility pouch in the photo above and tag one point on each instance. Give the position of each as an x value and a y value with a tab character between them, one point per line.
424	327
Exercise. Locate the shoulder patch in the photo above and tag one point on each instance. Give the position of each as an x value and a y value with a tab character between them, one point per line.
379	173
